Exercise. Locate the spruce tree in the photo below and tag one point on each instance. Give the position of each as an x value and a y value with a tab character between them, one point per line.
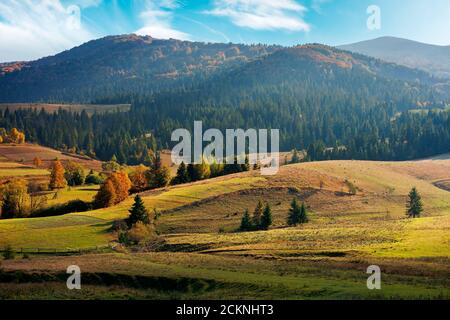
246	223
414	206
303	218
266	219
257	214
294	213
182	174
138	213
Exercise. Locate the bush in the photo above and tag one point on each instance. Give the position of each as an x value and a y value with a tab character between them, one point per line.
141	233
94	179
8	253
59	210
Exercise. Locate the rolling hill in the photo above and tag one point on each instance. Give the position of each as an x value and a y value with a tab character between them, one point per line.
431	58
325	258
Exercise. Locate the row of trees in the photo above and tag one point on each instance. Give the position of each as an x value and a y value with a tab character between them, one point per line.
206	170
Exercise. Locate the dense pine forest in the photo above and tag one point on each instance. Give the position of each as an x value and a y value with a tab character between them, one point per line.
335	104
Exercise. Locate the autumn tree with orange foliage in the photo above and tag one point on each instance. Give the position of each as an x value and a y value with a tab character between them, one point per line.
122	185
139	179
37	162
114	190
106	196
57	180
15	136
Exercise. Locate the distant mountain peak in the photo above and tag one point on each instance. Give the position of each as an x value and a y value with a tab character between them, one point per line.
428	57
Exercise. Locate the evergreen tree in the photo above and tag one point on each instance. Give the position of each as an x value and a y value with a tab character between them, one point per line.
414	206
138	213
182	174
246	165
295	157
303	217
246	223
294	213
266	219
257	214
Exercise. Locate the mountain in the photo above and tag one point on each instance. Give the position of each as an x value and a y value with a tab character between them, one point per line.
119	64
320	97
140	65
431	58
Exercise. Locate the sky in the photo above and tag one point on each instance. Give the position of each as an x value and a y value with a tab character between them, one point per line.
31	29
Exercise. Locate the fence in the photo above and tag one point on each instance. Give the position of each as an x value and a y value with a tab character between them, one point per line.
66	251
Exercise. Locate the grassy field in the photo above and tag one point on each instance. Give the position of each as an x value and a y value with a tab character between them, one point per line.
204	257
24	154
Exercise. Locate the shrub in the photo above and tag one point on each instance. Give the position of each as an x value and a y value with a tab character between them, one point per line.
141	233
94	179
59	210
8	253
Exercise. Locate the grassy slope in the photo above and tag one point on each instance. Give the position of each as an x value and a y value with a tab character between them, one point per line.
325	258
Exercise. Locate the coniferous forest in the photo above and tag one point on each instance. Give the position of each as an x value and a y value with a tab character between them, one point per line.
332	103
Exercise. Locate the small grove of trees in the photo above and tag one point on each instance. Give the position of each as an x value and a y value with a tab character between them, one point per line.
208	169
14	136
297	214
113	191
414	205
262	216
18	199
157	176
261	219
74	174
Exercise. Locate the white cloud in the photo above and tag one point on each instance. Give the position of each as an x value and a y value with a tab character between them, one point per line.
157	19
31	29
262	14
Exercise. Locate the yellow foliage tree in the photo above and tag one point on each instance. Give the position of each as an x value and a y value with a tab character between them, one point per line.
57	180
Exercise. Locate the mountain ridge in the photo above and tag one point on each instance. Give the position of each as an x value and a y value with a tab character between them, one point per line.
142	65
434	59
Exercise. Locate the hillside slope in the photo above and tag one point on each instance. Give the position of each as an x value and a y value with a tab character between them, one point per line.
115	66
204	257
119	64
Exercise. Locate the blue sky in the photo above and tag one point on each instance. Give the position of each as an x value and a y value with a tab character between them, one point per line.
30	29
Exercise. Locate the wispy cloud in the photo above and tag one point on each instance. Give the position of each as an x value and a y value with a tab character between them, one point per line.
30	29
157	19
316	5
262	14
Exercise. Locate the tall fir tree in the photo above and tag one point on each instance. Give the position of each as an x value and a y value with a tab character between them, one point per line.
246	222
303	218
414	206
257	214
138	213
294	213
182	174
266	219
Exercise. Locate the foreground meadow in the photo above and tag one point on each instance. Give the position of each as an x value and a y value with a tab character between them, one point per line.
204	257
